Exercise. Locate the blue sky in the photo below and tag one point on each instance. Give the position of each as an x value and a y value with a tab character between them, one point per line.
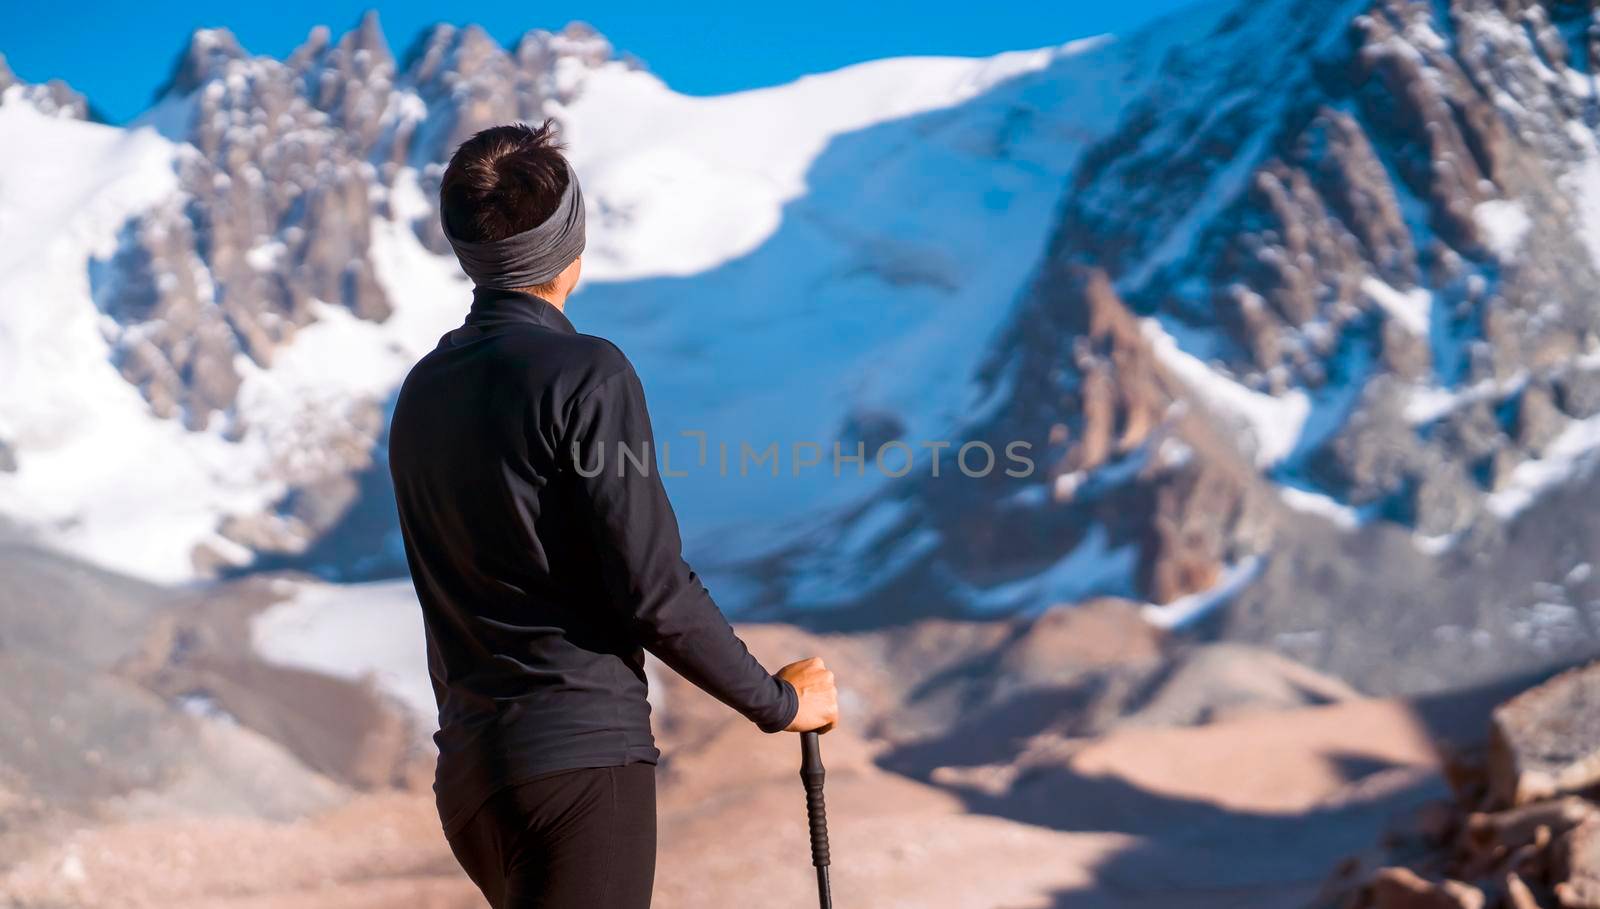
118	52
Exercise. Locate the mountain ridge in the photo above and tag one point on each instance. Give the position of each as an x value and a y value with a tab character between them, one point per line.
1259	285
299	180
1381	327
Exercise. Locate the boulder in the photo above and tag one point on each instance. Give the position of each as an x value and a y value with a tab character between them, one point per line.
1578	867
1546	741
1520	826
1402	888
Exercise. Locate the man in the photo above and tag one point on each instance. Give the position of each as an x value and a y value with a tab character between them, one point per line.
543	579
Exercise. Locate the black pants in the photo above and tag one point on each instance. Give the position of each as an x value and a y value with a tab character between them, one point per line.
575	838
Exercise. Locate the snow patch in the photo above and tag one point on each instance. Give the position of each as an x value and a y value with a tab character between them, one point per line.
1426	403
1435	545
1504	225
833	582
1567	455
685	183
265	256
1273	421
1322	505
1187	609
357	632
1583	186
1412	308
78	426
1092	568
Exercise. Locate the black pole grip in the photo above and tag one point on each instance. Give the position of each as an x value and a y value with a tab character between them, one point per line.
812	774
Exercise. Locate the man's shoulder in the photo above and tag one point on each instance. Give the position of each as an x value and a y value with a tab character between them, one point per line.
572	359
597	352
571	364
543	348
565	365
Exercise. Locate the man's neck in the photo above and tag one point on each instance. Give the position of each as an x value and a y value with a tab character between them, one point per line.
559	301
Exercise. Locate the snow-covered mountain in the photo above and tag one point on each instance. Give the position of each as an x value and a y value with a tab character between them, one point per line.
206	312
1316	332
1292	304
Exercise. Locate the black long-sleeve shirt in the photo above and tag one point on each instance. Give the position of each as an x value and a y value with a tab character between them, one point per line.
545	558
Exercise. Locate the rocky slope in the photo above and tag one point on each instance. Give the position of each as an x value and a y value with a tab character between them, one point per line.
286	166
1321	309
293	160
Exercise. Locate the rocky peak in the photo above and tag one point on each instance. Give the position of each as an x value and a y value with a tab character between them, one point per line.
275	215
464	81
352	80
54	98
541	52
206	57
1399	191
469	82
292	162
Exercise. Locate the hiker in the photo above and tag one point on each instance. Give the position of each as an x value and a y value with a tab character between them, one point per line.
543	580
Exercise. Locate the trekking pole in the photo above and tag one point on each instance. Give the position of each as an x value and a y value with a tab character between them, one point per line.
811	773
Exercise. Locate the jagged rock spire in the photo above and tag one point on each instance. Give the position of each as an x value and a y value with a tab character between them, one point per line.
205	57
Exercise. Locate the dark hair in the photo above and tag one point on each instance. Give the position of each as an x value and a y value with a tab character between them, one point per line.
503	181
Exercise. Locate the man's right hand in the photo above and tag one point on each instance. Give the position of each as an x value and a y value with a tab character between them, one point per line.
819	699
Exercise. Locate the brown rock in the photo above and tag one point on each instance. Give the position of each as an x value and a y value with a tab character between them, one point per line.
1466	771
1069	639
1354	181
1402	888
1546	741
1518	896
1098	397
1184	544
1122	396
1244	315
1517	827
1577	867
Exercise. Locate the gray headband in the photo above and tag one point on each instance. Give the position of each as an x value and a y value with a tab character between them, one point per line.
534	256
